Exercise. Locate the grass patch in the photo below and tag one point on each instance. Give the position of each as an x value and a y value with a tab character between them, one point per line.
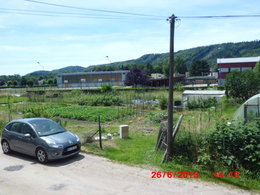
12	99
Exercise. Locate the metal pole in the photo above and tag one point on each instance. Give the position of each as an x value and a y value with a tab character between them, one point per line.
169	154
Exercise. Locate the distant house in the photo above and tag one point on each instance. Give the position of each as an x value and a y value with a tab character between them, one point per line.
227	65
163	81
157	76
91	79
195	80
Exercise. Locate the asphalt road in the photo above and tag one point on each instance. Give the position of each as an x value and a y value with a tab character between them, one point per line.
88	174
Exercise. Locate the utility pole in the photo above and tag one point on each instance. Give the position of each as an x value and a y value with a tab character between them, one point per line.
169	154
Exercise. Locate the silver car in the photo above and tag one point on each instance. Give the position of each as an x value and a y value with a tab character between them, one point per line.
39	137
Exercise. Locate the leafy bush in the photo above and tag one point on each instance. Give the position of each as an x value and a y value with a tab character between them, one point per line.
2	124
186	144
228	146
236	144
242	85
179	87
106	88
202	103
158	117
163	103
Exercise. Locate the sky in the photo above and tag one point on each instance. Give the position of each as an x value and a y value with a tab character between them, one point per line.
36	36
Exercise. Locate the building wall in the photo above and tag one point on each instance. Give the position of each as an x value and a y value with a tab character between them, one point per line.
226	68
92	79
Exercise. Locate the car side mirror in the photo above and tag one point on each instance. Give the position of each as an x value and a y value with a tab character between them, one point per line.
27	135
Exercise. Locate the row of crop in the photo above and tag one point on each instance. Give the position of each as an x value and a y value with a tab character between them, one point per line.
76	112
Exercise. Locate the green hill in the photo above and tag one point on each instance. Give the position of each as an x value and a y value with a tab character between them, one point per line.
209	53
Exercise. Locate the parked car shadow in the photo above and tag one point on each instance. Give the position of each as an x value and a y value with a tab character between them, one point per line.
65	161
54	163
24	157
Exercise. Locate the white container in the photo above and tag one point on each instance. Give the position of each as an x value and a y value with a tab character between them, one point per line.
123	131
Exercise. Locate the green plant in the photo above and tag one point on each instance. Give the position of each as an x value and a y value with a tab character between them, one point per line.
100	100
158	117
163	103
76	112
236	144
179	87
202	103
2	124
106	88
242	85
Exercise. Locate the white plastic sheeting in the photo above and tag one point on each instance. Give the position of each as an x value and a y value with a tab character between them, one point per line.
249	110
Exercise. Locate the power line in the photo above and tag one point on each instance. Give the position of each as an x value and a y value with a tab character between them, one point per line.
224	16
52	12
67	14
96	10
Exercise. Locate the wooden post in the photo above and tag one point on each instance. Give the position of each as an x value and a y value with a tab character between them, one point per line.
169	154
100	135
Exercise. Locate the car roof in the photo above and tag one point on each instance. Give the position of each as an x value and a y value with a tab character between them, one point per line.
28	120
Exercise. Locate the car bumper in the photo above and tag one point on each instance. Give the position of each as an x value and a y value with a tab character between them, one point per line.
54	154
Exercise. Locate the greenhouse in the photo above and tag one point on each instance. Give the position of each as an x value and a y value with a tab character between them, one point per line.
250	110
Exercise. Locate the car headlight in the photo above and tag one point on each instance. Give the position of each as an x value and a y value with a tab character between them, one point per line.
77	137
53	144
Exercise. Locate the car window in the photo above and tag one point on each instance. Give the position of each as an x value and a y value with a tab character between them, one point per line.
46	127
16	127
8	127
25	129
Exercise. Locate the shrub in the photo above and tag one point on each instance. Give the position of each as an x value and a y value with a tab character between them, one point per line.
186	144
179	87
106	88
2	124
107	100
163	103
202	103
100	100
229	146
158	117
236	144
242	85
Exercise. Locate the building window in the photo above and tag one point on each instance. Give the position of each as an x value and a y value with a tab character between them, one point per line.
246	68
66	81
99	80
234	69
224	70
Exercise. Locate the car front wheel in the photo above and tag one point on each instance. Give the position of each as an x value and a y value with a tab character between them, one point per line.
5	147
41	155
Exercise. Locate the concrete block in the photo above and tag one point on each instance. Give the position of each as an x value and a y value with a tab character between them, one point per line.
123	131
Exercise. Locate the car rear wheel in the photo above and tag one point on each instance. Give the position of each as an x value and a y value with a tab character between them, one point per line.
5	147
41	155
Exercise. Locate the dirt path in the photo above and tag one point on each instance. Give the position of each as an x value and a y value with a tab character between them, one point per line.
87	174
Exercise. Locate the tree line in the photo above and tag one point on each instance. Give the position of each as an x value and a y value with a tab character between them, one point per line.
27	81
198	67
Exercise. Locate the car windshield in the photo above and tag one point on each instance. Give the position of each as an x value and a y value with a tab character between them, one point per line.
45	127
